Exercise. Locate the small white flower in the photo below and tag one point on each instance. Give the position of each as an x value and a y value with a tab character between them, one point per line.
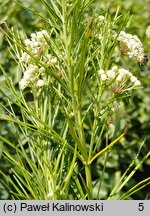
28	58
103	77
23	83
133	79
32	68
99	36
101	17
119	78
33	35
40	83
27	74
122	71
111	74
130	45
35	51
24	57
115	68
27	42
53	60
137	83
35	44
41	70
101	71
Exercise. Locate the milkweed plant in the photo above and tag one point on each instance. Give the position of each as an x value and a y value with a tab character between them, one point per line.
71	99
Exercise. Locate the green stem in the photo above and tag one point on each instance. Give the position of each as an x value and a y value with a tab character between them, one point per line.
96	113
109	146
75	89
89	180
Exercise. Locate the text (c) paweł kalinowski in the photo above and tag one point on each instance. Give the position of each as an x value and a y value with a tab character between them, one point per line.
61	207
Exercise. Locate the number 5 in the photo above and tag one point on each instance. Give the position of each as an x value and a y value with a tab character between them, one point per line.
141	206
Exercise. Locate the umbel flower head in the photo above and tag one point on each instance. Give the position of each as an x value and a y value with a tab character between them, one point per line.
131	46
31	78
35	75
38	46
119	79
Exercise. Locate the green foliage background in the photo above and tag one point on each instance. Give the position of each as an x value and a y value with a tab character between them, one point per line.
138	112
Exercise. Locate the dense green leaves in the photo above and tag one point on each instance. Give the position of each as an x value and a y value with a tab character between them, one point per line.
58	142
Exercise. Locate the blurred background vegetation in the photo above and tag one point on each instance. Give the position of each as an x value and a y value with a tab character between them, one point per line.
138	117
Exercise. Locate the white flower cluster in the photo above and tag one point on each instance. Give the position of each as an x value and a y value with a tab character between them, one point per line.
34	75
130	45
101	19
37	46
31	77
119	79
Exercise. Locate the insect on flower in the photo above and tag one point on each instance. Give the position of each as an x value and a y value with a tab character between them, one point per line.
143	60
